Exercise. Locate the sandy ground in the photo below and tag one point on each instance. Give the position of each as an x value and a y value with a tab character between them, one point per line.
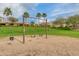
53	46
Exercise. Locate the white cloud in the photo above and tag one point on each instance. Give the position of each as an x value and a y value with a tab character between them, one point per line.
17	9
66	10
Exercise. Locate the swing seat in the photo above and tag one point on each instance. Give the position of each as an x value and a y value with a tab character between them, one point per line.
11	38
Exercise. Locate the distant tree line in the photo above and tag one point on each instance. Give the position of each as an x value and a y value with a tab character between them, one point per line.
71	22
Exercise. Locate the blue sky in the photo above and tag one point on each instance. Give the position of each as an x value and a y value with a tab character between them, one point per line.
53	10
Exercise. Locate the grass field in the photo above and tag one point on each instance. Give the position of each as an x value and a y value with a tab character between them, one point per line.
7	31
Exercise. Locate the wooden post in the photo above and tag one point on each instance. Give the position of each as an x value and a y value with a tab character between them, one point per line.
23	31
46	28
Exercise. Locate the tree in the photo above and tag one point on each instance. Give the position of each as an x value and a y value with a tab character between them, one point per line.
73	20
8	12
25	15
44	15
12	19
1	18
38	15
60	21
32	23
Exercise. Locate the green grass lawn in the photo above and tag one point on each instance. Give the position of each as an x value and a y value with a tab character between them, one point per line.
7	31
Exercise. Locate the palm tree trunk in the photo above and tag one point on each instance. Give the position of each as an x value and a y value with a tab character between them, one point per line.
23	31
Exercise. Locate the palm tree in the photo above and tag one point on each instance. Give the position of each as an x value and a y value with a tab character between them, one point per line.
38	16
8	12
44	15
25	15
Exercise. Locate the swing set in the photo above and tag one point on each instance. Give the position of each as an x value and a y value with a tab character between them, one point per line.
11	38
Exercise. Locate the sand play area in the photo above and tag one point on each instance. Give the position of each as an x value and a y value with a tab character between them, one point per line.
39	46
